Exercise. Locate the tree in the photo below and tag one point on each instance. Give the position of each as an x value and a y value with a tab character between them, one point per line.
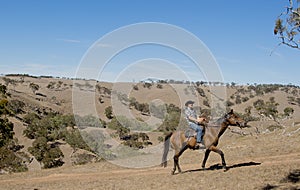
3	89
287	26
34	87
50	156
16	106
109	112
6	131
288	111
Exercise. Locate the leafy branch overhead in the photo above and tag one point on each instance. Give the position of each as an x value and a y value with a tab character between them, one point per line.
287	26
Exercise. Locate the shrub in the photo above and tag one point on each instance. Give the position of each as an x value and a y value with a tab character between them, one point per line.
49	127
89	121
51	85
293	177
229	103
30	117
75	140
288	111
160	139
238	99
34	87
49	156
135	87
3	89
258	104
245	99
116	125
3	107
274	127
159	86
84	158
147	85
171	120
16	106
109	112
11	161
201	92
6	131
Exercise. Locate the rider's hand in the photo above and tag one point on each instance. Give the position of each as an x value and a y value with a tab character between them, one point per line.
201	120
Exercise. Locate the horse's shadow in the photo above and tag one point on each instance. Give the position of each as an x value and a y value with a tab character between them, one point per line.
220	167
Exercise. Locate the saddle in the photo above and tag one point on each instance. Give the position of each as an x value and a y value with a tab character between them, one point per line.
191	136
190	133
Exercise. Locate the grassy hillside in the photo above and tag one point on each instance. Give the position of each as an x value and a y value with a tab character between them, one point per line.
41	111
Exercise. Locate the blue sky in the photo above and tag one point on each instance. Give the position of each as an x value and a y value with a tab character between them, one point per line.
51	37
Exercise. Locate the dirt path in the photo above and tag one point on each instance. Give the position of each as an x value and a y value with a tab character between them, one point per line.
106	176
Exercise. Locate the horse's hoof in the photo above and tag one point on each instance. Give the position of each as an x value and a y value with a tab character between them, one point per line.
172	172
225	168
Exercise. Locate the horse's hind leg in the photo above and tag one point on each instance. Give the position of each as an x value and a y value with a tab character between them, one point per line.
176	159
215	149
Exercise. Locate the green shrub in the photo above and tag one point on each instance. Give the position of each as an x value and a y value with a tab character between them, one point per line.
274	127
171	120
49	156
34	87
30	117
3	89
75	140
288	111
11	161
109	112
16	106
6	131
89	121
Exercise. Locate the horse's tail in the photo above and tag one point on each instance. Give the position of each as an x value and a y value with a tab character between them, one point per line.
166	150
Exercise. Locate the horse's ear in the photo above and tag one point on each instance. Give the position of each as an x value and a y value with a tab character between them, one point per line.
231	111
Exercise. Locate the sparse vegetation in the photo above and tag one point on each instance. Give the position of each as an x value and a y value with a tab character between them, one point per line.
34	87
147	85
89	121
123	127
171	120
45	123
274	127
109	112
11	159
49	155
267	109
46	131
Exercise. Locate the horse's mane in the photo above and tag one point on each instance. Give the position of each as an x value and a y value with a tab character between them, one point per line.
216	123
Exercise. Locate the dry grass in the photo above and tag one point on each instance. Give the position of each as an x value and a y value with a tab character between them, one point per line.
258	160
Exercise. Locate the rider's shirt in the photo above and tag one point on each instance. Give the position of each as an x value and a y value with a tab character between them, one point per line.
190	113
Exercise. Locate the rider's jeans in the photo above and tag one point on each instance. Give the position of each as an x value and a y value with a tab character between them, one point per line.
198	129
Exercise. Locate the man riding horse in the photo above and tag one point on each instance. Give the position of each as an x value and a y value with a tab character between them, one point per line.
194	122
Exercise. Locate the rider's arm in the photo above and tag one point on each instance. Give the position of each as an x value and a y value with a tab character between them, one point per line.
193	119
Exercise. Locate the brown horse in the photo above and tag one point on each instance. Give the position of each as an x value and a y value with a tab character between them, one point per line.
211	139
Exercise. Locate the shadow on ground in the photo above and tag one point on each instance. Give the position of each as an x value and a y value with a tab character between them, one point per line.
220	167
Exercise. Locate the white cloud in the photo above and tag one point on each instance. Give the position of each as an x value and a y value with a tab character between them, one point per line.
68	40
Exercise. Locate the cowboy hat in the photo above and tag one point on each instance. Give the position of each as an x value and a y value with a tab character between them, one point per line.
189	102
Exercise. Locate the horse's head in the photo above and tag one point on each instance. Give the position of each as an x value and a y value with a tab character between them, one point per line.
234	119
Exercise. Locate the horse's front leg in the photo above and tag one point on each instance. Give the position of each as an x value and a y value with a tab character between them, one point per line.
215	149
205	157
